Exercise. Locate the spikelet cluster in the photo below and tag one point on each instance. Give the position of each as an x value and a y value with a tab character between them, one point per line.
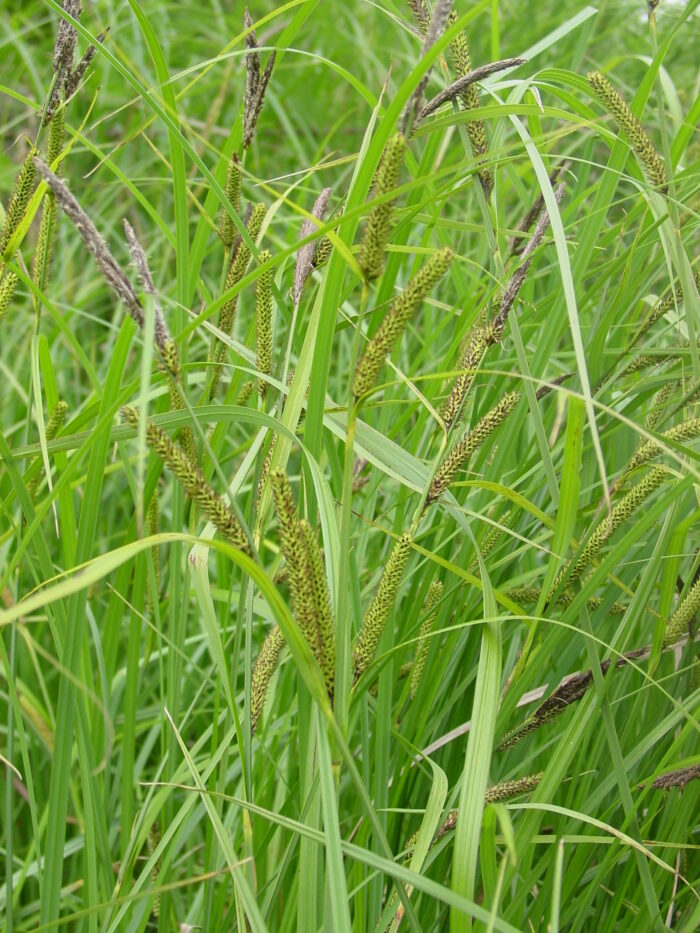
322	603
66	76
247	390
470	360
514	285
263	669
256	82
263	321
378	610
471	441
530	594
684	614
138	257
660	309
647	360
376	236
677	778
47	229
307	254
430	611
227	228
624	509
504	790
153	842
239	267
24	186
94	243
193	481
323	252
7	290
420	13
492	538
619	110
152	515
440	11
685	431
395	320
534	212
569	691
240	259
658	407
52	427
306	576
476	130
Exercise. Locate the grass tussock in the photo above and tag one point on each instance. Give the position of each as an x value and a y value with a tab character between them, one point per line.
349	549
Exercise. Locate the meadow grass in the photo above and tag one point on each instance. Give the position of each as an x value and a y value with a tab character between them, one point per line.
349	550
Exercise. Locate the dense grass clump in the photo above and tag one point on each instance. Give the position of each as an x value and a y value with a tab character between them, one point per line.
349	527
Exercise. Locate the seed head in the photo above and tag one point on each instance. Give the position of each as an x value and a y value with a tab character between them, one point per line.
518	277
152	529
430	612
265	666
660	403
469	98
193	482
396	319
660	309
24	186
685	431
52	428
239	267
624	509
263	321
138	257
619	110
7	290
371	257
227	228
322	603
684	614
504	790
680	776
378	611
300	574
107	264
256	82
471	441
470	360
306	257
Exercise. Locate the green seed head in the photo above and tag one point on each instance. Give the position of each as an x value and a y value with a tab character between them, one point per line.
193	481
469	363
152	516
685	612
371	257
430	611
461	454
686	431
378	611
323	252
227	228
322	602
624	509
24	186
619	110
7	290
263	320
263	669
396	319
300	574
54	144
